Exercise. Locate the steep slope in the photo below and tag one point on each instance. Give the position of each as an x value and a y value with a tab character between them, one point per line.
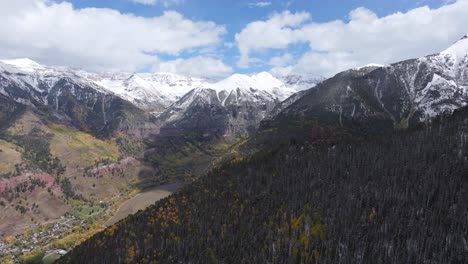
70	99
39	157
233	106
285	104
369	201
373	98
58	133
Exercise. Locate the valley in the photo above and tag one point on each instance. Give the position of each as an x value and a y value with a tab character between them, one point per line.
75	155
82	221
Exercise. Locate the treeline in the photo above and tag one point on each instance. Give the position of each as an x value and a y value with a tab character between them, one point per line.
398	198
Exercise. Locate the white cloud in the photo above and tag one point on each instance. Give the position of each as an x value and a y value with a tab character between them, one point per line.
365	38
325	64
97	38
280	30
154	2
229	45
281	71
258	4
281	60
196	66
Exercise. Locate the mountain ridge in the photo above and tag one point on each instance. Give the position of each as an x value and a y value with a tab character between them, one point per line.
395	96
157	91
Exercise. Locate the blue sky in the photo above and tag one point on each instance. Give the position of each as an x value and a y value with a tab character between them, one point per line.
198	37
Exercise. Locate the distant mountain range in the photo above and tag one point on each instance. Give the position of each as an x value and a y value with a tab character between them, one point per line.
371	96
235	104
67	98
143	104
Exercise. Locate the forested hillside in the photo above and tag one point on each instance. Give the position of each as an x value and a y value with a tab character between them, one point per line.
396	198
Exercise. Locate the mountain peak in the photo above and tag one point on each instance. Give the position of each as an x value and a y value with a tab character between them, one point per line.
238	76
263	74
370	65
261	81
459	50
233	82
135	82
24	64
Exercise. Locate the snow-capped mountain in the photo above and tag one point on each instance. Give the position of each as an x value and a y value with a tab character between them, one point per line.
37	80
370	65
371	96
155	91
25	65
244	100
149	91
62	94
395	96
445	87
262	86
236	104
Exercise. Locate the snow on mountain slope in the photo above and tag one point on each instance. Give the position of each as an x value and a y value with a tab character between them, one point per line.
301	82
448	88
370	65
261	81
25	65
390	97
197	97
174	85
134	89
37	80
65	96
458	51
239	101
236	104
150	91
240	89
262	86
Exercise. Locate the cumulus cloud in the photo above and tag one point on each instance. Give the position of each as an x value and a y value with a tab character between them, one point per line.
277	32
364	38
197	66
154	2
98	38
258	4
281	60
